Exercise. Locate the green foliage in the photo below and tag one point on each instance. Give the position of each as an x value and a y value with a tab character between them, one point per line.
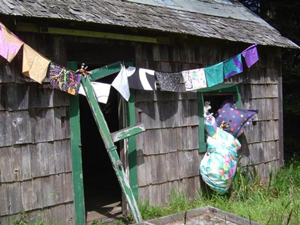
276	201
23	220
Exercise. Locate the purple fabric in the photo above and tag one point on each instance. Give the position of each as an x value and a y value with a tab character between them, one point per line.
251	55
236	119
8	49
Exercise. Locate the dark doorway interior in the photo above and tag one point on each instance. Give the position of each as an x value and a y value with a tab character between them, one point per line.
101	188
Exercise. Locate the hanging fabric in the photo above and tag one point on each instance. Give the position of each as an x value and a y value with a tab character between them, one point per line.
101	91
120	83
9	43
141	79
194	79
168	81
214	74
251	55
63	79
35	65
235	119
233	66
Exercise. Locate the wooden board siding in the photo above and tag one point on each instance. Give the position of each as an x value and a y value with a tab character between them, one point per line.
168	155
35	160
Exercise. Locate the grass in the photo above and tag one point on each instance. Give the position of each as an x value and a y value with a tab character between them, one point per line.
274	202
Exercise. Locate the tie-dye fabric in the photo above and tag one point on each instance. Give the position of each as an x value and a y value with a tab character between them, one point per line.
233	66
63	79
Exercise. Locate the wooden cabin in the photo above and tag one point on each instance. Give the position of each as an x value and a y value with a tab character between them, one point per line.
53	164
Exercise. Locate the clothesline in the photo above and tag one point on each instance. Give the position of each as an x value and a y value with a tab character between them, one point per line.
38	67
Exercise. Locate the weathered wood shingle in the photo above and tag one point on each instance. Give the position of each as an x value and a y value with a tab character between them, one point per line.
242	28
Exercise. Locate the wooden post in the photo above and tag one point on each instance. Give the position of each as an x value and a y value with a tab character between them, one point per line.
76	156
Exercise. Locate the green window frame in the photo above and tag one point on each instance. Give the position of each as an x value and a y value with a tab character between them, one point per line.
220	88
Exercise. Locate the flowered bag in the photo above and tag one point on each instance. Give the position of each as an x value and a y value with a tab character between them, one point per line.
218	166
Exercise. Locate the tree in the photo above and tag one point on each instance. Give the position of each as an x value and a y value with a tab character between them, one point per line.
285	17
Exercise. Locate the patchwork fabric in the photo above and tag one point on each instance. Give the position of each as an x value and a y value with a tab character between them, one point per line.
233	66
168	81
251	55
236	119
194	79
9	43
214	74
63	79
141	79
218	166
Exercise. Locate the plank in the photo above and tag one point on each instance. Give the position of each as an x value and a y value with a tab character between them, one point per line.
17	96
142	172
167	111
66	144
6	138
43	124
59	156
68	186
60	98
188	112
26	159
27	195
189	163
7	71
153	144
70	213
37	197
187	138
48	191
161	168
168	140
40	96
155	195
59	188
127	132
14	197
61	125
5	164
21	127
144	194
152	170
42	160
4	210
271	151
172	166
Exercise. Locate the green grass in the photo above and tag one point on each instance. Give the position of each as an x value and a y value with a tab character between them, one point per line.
274	202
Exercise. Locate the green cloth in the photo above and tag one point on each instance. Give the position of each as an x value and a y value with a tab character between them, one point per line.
214	74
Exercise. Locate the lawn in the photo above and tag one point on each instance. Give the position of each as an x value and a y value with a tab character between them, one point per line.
276	201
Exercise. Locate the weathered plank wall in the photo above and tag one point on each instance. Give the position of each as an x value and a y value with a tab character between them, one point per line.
168	155
35	156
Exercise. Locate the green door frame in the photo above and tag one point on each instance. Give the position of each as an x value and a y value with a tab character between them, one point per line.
220	88
76	142
77	174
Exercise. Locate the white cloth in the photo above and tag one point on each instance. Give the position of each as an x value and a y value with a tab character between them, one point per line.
121	84
101	91
194	79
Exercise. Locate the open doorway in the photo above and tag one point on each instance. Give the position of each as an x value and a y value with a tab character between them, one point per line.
102	191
